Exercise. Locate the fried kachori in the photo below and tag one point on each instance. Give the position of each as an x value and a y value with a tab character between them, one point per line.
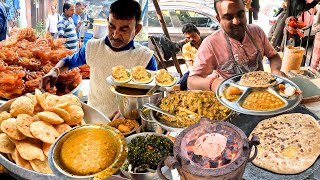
44	131
22	105
23	124
6	145
9	127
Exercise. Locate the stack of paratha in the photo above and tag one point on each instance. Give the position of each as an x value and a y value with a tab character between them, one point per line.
290	143
258	79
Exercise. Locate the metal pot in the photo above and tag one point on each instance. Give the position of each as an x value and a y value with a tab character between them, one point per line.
100	28
130	105
149	175
91	115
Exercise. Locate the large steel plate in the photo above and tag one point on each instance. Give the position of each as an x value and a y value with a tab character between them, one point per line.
290	103
91	115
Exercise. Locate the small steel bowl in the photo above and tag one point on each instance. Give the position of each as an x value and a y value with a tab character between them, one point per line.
57	167
148	175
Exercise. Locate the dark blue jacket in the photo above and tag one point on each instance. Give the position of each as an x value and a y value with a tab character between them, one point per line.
3	23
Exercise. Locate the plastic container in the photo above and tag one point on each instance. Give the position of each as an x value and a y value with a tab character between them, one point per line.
292	58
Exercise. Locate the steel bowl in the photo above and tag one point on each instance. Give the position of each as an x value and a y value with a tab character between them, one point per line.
150	175
147	123
55	151
130	105
91	115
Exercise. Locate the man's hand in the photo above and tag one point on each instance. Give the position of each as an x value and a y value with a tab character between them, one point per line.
51	78
278	72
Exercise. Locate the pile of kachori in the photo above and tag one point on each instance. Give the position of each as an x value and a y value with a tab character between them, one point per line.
33	124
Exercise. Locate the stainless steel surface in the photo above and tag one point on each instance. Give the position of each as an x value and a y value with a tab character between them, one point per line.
147	123
151	175
91	115
100	30
54	153
132	84
290	103
130	105
155	108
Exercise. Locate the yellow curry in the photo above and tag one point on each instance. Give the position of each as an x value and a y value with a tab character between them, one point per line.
262	101
88	151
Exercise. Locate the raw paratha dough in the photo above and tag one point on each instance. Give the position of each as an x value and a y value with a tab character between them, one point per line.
290	143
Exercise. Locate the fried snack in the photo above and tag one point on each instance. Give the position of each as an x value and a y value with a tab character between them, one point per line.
164	78
141	75
50	117
23	124
40	99
61	112
61	128
52	100
46	148
6	145
20	161
123	125
22	105
76	114
120	74
30	149
43	131
4	115
64	105
41	166
9	127
72	99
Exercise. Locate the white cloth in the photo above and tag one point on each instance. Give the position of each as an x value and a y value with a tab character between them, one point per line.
101	59
52	23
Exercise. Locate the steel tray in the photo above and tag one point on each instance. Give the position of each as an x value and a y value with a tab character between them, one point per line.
290	103
132	84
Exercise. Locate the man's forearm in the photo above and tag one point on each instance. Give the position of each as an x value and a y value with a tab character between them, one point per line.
61	65
198	83
275	62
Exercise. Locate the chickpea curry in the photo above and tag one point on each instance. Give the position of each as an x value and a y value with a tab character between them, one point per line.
262	101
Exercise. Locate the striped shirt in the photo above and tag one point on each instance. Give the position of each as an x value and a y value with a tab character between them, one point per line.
67	29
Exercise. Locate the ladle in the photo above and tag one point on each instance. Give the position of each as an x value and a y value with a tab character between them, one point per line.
155	108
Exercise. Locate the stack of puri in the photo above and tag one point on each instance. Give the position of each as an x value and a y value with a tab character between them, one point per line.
32	125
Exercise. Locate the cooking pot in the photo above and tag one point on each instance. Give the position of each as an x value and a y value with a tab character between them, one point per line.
130	105
100	28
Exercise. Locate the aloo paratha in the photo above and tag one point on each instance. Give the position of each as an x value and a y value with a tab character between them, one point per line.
258	79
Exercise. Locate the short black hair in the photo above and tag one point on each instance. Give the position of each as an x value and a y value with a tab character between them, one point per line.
79	3
215	4
66	6
126	9
190	28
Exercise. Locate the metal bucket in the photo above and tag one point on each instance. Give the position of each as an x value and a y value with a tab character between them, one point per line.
130	105
148	124
100	28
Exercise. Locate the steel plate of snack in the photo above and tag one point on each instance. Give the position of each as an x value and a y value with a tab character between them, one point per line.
236	105
132	84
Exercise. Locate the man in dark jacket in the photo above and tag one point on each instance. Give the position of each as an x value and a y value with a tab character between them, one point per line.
3	22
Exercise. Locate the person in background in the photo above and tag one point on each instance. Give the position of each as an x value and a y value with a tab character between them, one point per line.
14	12
254	10
66	28
117	48
52	22
236	48
189	50
3	22
104	13
315	61
76	17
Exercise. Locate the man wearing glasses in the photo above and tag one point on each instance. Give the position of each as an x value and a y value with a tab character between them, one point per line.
236	48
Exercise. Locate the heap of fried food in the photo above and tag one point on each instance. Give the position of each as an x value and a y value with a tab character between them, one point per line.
190	106
32	125
164	78
25	59
85	71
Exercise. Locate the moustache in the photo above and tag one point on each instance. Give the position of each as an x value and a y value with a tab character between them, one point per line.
116	40
239	26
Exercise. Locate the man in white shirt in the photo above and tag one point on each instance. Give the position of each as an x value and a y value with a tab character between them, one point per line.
52	22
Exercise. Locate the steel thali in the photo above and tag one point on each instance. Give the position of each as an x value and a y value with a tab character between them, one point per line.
290	102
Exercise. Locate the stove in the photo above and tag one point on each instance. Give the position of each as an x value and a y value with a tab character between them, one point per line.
211	150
